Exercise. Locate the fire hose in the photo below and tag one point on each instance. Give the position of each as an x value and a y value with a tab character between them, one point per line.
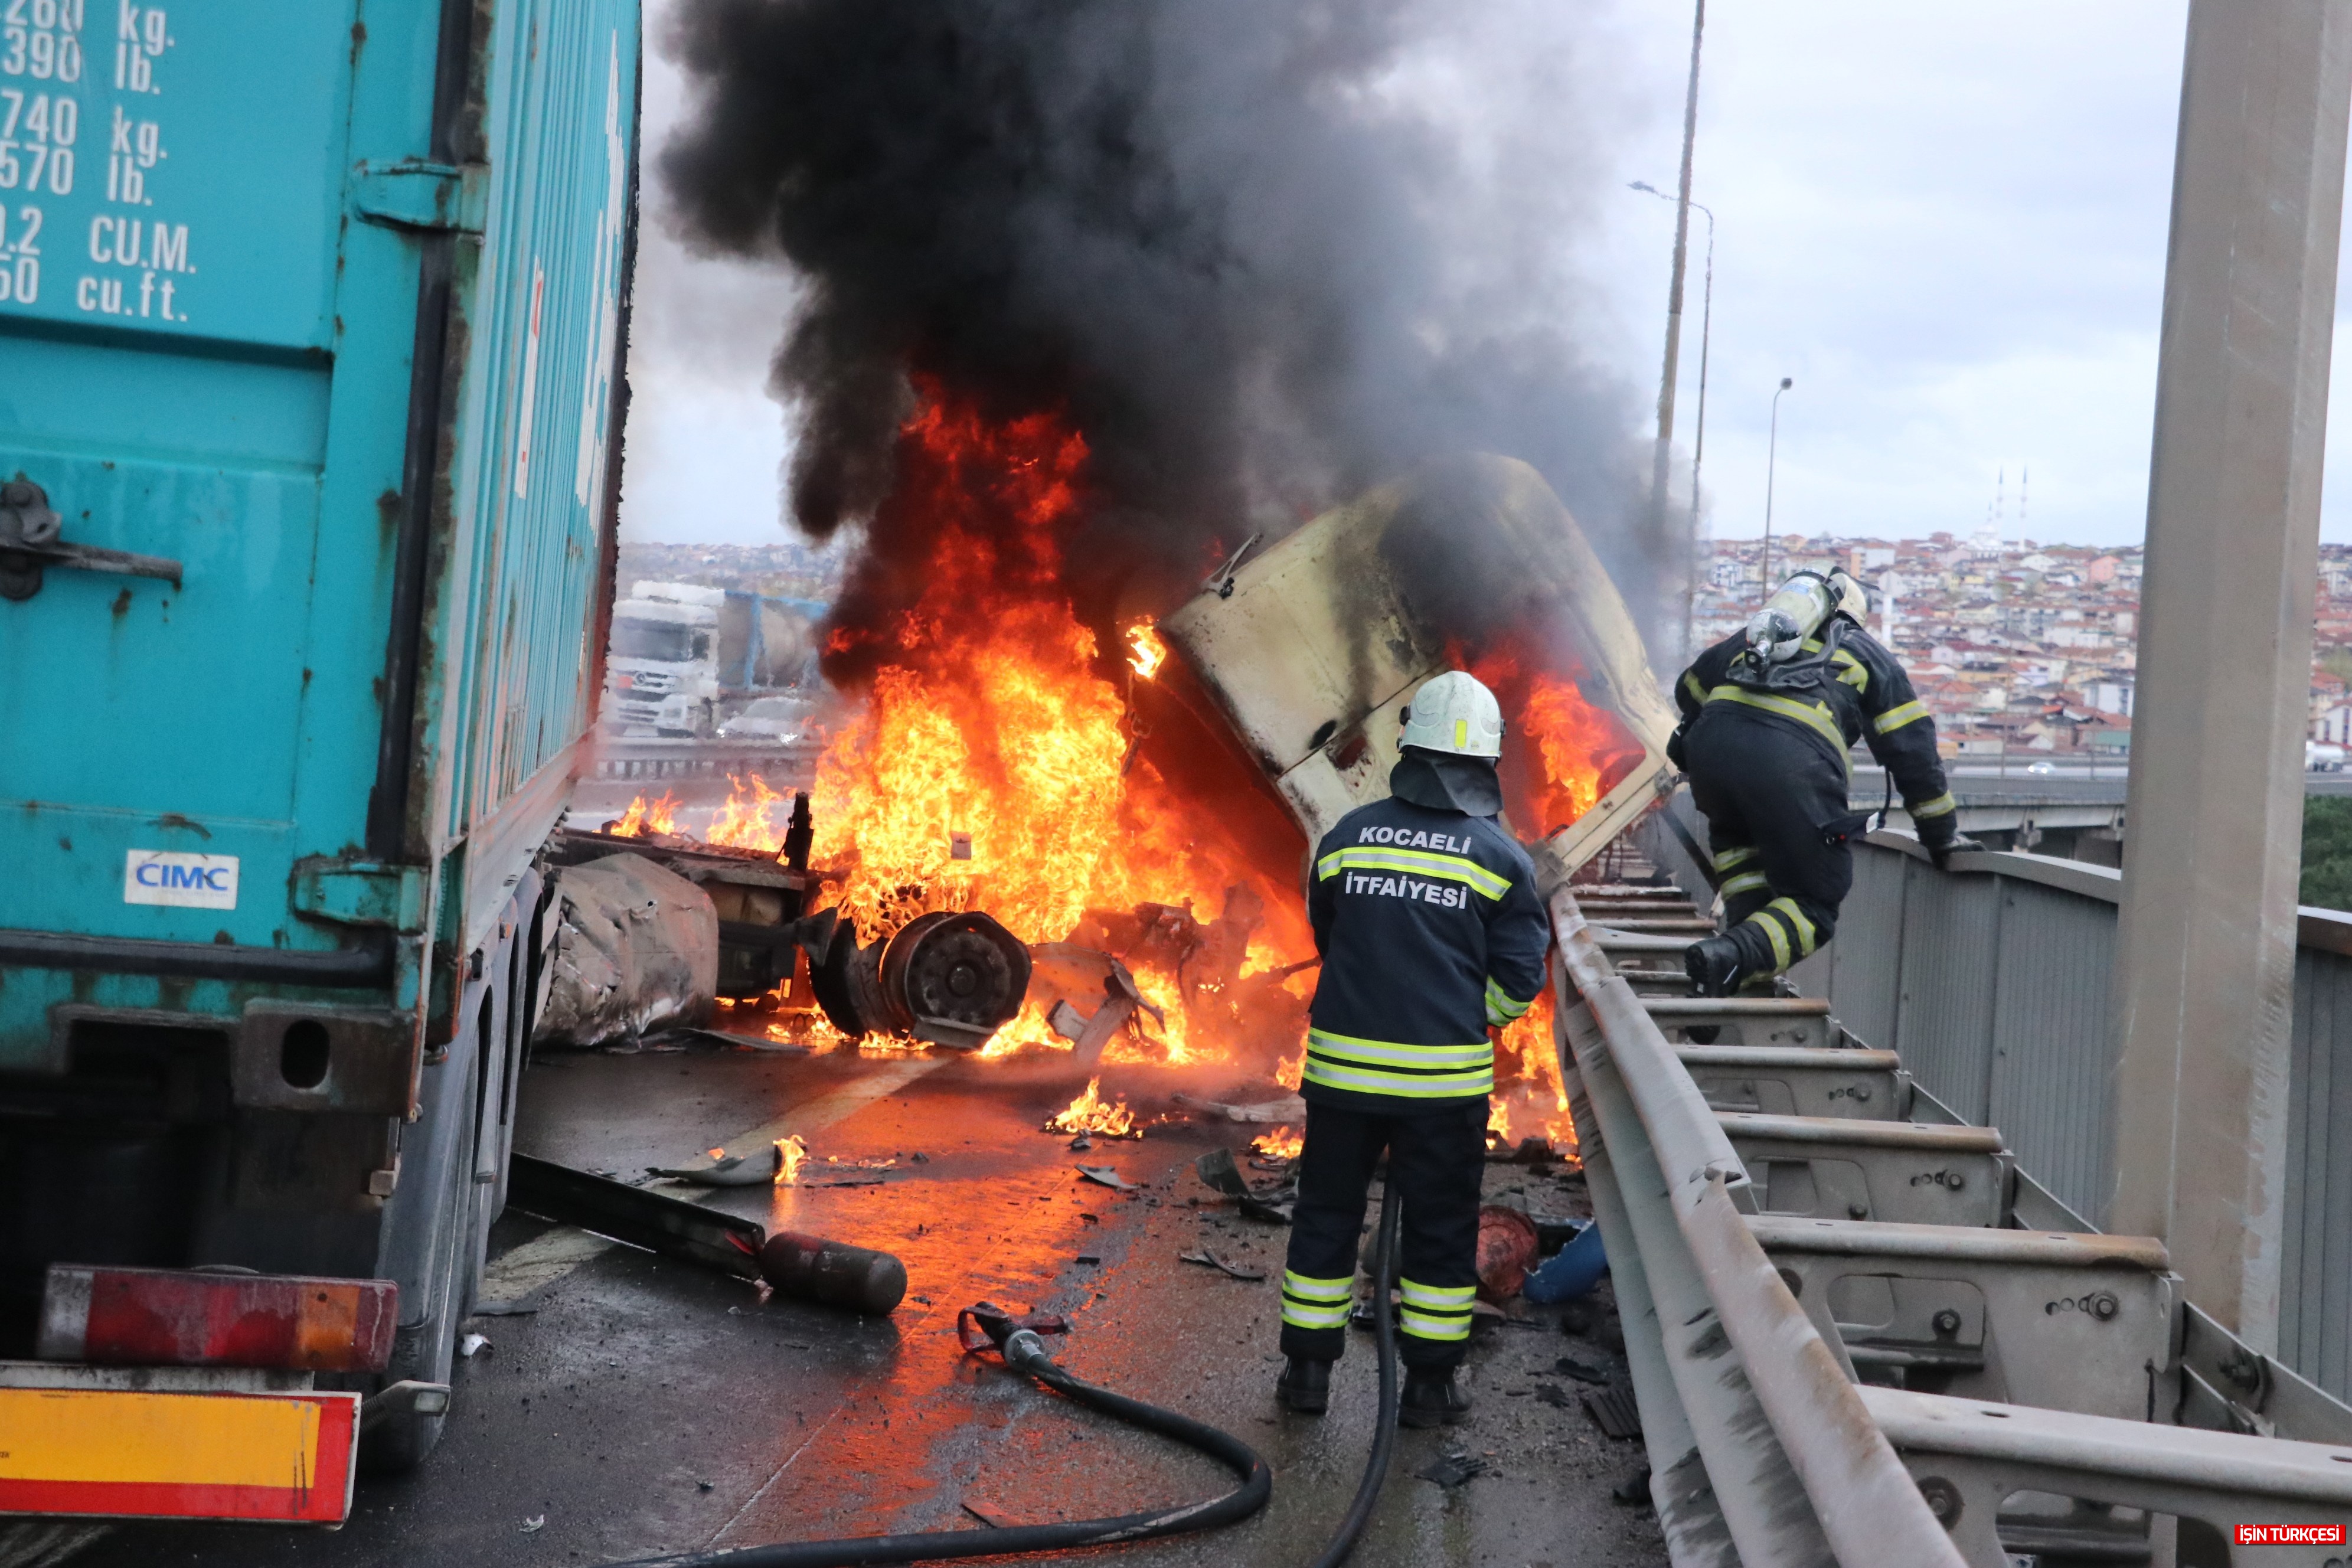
1376	1467
1023	1350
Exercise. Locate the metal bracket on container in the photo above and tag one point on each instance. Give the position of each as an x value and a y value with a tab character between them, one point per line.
1221	581
440	198
302	1056
360	893
29	545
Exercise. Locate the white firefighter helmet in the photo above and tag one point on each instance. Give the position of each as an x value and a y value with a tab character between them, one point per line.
1455	712
1853	599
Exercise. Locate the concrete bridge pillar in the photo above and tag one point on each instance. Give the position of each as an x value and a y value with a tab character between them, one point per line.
2204	970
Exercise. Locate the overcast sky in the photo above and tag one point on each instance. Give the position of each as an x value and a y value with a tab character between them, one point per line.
1947	223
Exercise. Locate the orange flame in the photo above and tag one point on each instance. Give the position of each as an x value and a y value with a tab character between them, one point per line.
994	765
745	821
1145	652
1539	1092
1091	1113
1561	753
1282	1144
790	1153
998	765
1568	732
644	817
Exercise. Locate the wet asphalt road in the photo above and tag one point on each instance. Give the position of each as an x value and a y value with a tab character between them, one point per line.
640	1405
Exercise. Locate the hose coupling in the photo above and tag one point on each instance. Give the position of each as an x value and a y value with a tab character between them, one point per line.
1024	1350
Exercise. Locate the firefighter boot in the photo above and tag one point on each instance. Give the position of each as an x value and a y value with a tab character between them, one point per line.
1305	1385
1715	965
1431	1396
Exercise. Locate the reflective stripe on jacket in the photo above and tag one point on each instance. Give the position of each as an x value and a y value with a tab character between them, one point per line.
1430	933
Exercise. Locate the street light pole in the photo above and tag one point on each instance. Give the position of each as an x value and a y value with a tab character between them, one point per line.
1771	457
1665	452
1698	440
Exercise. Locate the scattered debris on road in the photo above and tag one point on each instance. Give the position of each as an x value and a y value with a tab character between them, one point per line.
985	1511
653	1221
1290	1108
1216	1168
811	1268
1273	1205
1506	1249
1211	1260
729	1169
1613	1412
1451	1470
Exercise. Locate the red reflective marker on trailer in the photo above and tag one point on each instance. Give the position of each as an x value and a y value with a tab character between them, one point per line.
164	1317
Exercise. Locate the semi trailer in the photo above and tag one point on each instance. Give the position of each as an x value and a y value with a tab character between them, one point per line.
313	313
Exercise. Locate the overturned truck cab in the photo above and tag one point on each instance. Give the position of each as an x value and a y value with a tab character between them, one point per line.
1313	648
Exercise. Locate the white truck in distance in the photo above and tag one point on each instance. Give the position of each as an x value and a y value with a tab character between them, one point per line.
662	673
686	657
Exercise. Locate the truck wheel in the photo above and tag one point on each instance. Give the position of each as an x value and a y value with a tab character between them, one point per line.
401	1443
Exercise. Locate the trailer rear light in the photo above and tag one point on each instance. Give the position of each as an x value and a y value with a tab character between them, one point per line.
164	1317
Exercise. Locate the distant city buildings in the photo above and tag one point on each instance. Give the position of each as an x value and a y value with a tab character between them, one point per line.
2015	647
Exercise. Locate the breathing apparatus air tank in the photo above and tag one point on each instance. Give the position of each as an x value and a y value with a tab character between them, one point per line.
1809	606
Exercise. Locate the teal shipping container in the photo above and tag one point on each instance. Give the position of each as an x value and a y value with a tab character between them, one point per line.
311	322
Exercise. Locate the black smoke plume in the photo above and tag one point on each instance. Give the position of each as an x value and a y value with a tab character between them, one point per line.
1214	232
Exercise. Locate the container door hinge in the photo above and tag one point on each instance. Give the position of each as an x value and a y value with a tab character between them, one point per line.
360	893
433	198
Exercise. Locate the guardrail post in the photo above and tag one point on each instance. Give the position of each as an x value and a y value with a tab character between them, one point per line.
1688	1515
2202	990
1760	1499
1798	1469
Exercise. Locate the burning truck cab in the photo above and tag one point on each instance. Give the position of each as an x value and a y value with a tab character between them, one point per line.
1295	663
1311	650
1033	837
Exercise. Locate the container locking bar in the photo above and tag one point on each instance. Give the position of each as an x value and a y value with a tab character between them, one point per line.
29	545
431	198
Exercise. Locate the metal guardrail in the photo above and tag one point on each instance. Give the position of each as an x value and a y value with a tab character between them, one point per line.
1762	1452
628	758
1990	980
1781	1433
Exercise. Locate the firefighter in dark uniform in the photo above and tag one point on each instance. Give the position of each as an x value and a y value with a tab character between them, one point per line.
1769	715
1425	911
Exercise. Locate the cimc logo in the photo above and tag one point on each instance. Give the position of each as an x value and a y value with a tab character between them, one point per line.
190	881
